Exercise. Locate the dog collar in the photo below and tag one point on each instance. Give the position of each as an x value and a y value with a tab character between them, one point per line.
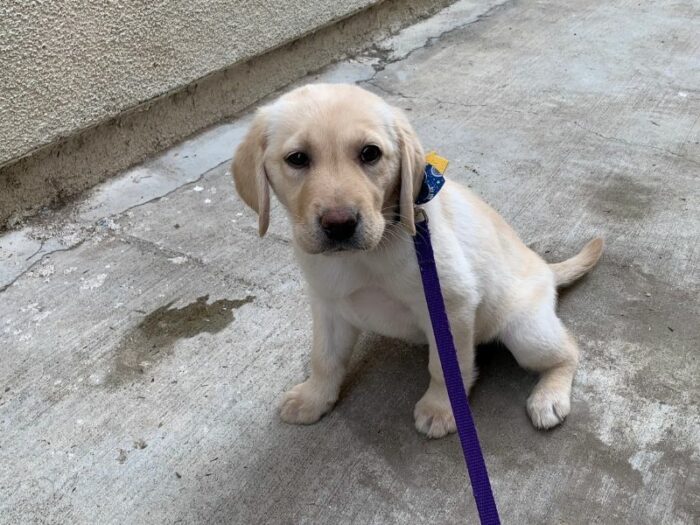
433	179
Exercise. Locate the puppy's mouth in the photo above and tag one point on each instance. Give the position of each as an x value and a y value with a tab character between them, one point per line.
339	238
319	244
333	247
342	247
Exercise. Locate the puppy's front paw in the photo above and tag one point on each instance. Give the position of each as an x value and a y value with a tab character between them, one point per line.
304	404
548	408
433	416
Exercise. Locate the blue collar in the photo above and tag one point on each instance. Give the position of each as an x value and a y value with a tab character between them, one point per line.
432	182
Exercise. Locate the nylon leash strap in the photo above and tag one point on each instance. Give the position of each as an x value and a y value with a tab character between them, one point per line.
466	429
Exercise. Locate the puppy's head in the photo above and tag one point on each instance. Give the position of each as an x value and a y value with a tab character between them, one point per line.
342	162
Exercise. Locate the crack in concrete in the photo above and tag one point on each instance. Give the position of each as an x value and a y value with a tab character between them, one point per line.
38	250
171	192
89	230
7	285
382	54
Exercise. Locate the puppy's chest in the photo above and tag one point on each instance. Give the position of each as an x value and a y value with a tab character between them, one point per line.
373	309
375	296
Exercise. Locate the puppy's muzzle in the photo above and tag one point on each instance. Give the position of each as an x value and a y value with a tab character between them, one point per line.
339	224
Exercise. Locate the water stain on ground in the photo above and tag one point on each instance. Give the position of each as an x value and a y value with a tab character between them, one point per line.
623	197
155	336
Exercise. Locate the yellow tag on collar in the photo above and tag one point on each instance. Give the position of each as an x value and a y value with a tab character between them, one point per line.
438	162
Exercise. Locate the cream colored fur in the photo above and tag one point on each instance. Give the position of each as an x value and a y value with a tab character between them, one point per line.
494	286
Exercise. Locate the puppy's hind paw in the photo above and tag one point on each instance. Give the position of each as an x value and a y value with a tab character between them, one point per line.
303	405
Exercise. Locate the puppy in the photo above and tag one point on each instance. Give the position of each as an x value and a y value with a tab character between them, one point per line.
347	168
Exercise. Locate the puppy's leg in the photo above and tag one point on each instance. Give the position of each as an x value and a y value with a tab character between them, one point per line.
333	341
433	412
539	341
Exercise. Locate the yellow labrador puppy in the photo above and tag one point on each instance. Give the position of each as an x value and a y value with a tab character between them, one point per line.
347	168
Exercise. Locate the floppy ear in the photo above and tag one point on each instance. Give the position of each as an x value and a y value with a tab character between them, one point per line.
249	172
412	165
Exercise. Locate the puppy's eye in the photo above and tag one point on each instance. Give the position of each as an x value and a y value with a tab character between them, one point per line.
297	160
370	154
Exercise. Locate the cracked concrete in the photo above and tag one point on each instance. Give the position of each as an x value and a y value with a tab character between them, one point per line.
126	396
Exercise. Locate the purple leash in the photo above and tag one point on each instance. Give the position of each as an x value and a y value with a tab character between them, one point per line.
481	487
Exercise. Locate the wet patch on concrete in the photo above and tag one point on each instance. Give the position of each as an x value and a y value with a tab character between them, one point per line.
621	196
155	336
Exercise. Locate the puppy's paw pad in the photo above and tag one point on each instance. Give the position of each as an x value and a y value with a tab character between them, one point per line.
434	420
547	409
302	405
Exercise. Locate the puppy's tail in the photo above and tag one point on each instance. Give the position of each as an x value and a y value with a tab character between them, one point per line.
568	271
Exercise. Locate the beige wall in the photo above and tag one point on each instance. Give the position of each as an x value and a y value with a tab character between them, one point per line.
69	64
87	93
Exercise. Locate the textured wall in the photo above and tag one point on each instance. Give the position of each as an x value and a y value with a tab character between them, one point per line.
66	65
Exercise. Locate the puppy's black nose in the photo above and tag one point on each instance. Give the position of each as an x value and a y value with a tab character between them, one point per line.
339	224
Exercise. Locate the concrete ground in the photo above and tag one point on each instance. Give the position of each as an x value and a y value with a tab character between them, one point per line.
147	333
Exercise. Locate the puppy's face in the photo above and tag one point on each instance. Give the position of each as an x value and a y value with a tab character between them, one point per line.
342	162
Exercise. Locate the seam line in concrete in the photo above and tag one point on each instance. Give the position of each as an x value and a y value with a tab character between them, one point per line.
636	144
383	62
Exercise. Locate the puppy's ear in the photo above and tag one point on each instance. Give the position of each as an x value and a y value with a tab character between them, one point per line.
412	165
249	172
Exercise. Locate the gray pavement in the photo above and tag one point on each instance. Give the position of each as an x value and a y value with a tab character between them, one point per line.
146	333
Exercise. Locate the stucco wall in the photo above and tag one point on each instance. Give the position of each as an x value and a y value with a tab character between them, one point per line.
67	65
133	81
